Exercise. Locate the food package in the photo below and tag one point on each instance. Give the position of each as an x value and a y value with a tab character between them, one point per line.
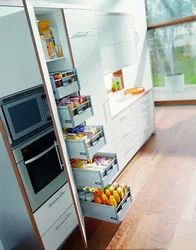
44	46
57	42
77	163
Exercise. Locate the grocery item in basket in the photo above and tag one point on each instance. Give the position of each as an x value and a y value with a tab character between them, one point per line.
112	201
120	192
75	100
115	185
111	190
82	195
89	196
105	200
116	196
72	136
97	198
77	163
124	187
108	194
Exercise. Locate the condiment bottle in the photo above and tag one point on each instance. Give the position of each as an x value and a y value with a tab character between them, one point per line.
112	201
120	192
107	192
111	190
116	196
100	193
115	185
105	200
97	199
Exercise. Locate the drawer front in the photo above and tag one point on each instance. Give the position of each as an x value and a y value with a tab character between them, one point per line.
66	90
107	213
60	230
81	114
146	100
49	213
78	149
123	122
97	178
80	23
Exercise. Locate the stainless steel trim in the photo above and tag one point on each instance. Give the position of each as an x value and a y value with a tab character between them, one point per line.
59	158
82	33
147	128
51	204
39	155
63	221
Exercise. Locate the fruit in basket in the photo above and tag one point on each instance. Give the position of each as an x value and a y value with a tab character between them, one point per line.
112	201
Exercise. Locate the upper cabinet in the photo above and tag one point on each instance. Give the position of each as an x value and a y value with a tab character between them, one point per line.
80	23
117	40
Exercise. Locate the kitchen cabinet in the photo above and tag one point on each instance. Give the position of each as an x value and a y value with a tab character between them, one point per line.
134	125
117	40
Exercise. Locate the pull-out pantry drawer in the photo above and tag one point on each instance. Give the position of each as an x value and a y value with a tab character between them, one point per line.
60	230
80	149
97	178
49	213
107	213
72	118
66	85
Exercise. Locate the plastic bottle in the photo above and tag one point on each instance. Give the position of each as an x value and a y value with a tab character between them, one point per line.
108	194
105	200
112	201
116	196
100	193
97	199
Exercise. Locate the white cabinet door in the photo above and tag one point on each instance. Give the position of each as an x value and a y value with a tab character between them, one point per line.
123	28
81	23
19	69
126	54
55	117
108	59
104	28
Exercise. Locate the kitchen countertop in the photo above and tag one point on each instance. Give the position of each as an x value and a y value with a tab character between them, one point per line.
119	102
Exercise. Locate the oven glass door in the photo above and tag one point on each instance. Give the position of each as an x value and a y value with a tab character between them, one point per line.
23	116
42	176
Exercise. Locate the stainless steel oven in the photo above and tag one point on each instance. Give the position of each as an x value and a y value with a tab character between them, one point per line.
40	167
24	112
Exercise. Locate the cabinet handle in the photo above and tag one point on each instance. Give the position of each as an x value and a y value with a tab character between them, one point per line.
129	148
147	128
63	221
145	107
128	64
124	116
58	155
146	114
51	204
126	133
145	98
107	72
83	33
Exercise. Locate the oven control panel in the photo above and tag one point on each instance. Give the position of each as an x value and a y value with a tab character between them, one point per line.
46	107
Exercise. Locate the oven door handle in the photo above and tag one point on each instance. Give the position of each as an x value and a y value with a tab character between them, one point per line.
39	155
58	155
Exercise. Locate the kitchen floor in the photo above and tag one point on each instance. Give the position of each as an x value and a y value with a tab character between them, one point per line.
162	177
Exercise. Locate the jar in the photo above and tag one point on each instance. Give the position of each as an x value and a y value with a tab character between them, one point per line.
89	196
82	195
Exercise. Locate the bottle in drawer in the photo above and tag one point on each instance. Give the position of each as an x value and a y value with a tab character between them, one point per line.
111	195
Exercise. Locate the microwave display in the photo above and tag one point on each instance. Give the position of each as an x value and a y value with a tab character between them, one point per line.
28	109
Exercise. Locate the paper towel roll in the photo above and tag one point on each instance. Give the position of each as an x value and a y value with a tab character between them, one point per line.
1	245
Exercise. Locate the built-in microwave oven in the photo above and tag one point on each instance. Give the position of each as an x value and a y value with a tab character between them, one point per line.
40	167
24	112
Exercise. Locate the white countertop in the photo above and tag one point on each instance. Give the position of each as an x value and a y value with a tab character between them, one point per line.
119	102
